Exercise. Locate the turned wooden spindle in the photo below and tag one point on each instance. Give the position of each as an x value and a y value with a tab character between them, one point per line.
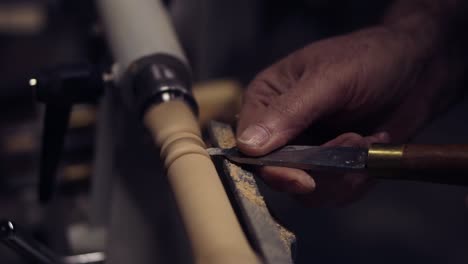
213	229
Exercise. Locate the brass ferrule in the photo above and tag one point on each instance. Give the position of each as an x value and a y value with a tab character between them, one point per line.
385	156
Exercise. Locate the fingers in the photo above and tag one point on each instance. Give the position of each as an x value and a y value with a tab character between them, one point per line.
339	190
282	120
356	140
336	190
288	180
324	190
267	85
273	115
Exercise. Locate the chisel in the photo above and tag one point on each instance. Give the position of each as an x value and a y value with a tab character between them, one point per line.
434	163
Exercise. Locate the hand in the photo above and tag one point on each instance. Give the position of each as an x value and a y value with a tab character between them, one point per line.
380	82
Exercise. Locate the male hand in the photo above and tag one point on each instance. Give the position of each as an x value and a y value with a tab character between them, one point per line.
380	81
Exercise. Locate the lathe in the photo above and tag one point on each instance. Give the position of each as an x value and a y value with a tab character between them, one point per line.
147	106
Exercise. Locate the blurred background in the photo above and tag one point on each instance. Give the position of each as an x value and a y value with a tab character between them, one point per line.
223	39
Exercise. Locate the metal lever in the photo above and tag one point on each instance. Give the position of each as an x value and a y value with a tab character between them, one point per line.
59	89
33	251
25	246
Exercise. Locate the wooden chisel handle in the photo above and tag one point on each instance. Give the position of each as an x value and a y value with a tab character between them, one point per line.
434	163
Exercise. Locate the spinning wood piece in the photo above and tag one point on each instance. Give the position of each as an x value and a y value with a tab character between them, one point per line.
213	229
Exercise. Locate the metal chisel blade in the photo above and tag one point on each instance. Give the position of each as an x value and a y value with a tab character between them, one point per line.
302	157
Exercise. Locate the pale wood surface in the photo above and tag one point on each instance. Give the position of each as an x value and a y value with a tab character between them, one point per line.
218	100
213	229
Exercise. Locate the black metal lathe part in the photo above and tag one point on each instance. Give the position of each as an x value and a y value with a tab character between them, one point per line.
161	78
59	89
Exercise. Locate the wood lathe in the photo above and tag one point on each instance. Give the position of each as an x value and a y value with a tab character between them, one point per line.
154	205
152	78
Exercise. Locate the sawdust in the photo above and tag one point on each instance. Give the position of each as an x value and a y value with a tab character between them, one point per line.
286	236
225	137
244	181
245	184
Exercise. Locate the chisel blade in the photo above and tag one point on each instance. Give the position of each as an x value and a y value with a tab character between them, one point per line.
303	157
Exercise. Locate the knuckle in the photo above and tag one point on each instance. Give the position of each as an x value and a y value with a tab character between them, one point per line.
257	96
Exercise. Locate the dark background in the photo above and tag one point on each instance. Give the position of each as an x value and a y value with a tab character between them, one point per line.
396	222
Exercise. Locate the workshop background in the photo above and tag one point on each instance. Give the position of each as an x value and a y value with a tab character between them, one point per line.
400	222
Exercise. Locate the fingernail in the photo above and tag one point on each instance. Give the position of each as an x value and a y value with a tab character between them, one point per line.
254	136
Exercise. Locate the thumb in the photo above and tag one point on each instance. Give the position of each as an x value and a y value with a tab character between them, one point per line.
287	115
